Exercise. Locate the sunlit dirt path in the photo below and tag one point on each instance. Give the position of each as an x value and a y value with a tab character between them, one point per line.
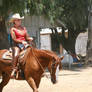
79	80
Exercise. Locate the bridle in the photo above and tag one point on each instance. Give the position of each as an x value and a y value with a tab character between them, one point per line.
53	65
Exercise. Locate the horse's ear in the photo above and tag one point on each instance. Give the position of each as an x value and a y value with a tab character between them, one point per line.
61	58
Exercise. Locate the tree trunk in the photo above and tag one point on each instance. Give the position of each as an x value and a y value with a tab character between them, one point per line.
3	35
89	43
69	43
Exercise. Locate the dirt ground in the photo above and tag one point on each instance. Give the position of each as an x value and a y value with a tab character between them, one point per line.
75	80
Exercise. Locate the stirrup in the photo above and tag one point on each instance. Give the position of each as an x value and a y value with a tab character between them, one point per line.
17	75
13	73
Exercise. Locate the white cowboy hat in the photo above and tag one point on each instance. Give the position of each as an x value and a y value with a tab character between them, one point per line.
15	16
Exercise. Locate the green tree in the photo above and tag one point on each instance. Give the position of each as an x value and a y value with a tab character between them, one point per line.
75	18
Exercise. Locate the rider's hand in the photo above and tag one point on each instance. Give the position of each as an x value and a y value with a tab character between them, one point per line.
31	38
24	42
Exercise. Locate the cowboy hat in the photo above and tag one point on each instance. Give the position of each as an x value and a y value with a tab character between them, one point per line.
15	16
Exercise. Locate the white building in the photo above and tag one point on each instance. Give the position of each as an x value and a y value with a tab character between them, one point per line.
81	44
46	39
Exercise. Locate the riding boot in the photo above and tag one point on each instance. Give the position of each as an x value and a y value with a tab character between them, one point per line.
13	74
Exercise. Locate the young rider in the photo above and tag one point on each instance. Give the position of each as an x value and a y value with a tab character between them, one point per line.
20	37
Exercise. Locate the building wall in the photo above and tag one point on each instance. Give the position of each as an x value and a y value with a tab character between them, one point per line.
81	44
48	41
45	42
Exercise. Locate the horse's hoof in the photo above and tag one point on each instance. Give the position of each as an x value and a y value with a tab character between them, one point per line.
35	91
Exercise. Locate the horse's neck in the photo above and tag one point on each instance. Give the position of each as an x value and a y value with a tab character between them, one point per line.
43	58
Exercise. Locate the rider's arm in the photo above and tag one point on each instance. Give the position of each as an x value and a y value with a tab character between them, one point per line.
14	36
28	38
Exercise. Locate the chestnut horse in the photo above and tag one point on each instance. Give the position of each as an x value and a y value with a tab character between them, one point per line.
34	63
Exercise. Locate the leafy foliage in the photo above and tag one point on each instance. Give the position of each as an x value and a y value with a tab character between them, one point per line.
49	8
13	6
73	13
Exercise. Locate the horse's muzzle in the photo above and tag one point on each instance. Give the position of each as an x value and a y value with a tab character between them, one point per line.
53	81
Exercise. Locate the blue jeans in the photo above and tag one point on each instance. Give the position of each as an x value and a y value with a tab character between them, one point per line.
21	46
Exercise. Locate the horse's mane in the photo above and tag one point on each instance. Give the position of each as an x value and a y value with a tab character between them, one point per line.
51	53
41	53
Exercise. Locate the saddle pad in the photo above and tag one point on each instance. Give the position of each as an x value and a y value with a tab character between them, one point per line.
8	55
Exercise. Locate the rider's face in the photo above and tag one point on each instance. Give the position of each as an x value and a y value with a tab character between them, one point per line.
17	22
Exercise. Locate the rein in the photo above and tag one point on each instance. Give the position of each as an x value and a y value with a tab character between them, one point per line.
40	64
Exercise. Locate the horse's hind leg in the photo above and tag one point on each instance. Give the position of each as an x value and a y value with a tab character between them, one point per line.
32	83
5	80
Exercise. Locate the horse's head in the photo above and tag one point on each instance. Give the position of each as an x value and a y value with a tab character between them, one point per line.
45	59
54	65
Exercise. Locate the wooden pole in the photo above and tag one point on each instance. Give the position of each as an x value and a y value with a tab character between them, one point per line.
89	42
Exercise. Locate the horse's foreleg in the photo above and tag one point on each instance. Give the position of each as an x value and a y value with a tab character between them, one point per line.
5	80
37	81
32	83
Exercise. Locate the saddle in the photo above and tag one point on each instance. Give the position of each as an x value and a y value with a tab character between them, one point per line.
8	55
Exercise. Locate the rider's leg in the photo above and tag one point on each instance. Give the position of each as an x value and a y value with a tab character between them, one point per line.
15	60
